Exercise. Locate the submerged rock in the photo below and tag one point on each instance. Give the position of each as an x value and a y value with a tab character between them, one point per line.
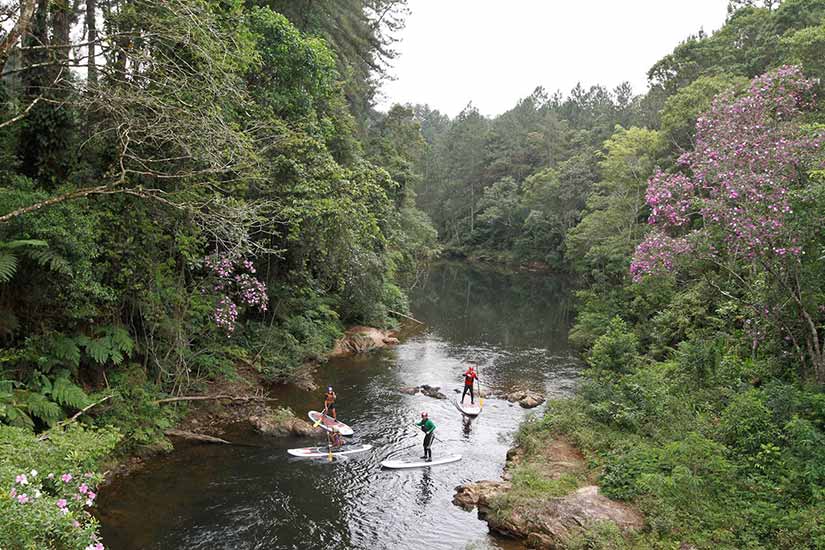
429	391
432	391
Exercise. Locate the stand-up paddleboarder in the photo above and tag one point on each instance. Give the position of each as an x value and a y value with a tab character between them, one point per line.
428	427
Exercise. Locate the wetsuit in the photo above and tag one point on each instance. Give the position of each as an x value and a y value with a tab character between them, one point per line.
428	427
329	404
469	380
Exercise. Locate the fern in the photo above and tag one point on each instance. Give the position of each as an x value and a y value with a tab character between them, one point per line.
66	349
68	394
8	266
51	260
32	243
41	407
97	348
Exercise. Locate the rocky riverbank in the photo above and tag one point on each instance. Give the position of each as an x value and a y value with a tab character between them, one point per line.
545	497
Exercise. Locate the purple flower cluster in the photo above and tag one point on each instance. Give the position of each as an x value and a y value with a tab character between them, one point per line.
234	281
747	158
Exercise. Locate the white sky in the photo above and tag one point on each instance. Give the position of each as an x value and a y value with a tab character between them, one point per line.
493	53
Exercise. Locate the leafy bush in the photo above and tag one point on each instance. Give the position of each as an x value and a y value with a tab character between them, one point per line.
747	424
617	350
46	486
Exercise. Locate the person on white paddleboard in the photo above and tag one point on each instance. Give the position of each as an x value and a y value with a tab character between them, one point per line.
428	427
470	377
329	403
334	440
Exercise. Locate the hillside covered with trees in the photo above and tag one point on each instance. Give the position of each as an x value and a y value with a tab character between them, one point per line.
692	217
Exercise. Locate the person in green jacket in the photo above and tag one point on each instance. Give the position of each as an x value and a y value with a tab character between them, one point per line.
428	427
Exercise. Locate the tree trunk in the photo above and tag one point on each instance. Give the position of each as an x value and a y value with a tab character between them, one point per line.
20	28
91	38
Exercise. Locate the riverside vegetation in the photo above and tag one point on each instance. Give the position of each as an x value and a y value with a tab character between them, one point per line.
185	186
190	185
692	216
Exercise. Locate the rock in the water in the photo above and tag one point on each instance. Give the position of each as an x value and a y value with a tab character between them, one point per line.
432	391
532	399
526	398
362	339
282	423
479	493
303	377
410	390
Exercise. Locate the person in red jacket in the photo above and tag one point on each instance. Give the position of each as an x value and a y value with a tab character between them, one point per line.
470	377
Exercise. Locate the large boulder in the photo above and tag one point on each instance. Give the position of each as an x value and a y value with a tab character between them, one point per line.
361	339
479	494
526	398
282	423
550	522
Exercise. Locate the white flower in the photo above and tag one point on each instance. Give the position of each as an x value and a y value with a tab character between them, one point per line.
33	473
37	493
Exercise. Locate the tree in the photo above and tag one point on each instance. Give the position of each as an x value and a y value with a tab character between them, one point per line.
734	208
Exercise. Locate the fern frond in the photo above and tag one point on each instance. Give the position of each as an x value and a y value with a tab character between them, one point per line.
121	340
33	243
98	349
39	406
8	266
50	259
66	349
69	394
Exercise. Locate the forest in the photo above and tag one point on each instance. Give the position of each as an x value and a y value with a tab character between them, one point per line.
692	218
191	185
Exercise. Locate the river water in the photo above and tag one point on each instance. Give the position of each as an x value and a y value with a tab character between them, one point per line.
217	497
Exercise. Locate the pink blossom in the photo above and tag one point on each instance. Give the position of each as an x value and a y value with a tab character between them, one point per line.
83	488
23	499
21	479
66	478
61	503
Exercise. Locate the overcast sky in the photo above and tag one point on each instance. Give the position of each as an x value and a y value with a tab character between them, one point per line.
493	53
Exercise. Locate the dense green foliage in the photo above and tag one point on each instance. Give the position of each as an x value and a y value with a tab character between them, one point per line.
212	190
703	399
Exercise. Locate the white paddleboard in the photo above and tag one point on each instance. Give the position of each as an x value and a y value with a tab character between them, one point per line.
401	464
318	452
469	409
327	422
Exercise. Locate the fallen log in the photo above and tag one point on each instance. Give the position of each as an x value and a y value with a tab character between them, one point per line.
413	319
196	437
45	435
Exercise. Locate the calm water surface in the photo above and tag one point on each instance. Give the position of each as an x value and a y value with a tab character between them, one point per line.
215	497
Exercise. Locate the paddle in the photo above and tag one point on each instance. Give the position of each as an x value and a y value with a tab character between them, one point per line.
318	422
480	396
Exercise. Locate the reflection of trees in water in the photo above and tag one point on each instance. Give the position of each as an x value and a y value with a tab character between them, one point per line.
465	302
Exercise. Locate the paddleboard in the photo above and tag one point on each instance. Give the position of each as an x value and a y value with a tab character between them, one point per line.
468	409
318	452
401	464
327	422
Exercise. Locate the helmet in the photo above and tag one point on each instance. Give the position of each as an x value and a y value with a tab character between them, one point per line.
329	388
424	414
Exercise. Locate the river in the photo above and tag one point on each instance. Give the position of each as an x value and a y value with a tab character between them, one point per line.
217	497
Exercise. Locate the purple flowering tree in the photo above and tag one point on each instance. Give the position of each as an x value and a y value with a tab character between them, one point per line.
235	284
733	206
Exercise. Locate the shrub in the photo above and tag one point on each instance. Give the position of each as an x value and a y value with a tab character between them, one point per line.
47	485
747	424
617	350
